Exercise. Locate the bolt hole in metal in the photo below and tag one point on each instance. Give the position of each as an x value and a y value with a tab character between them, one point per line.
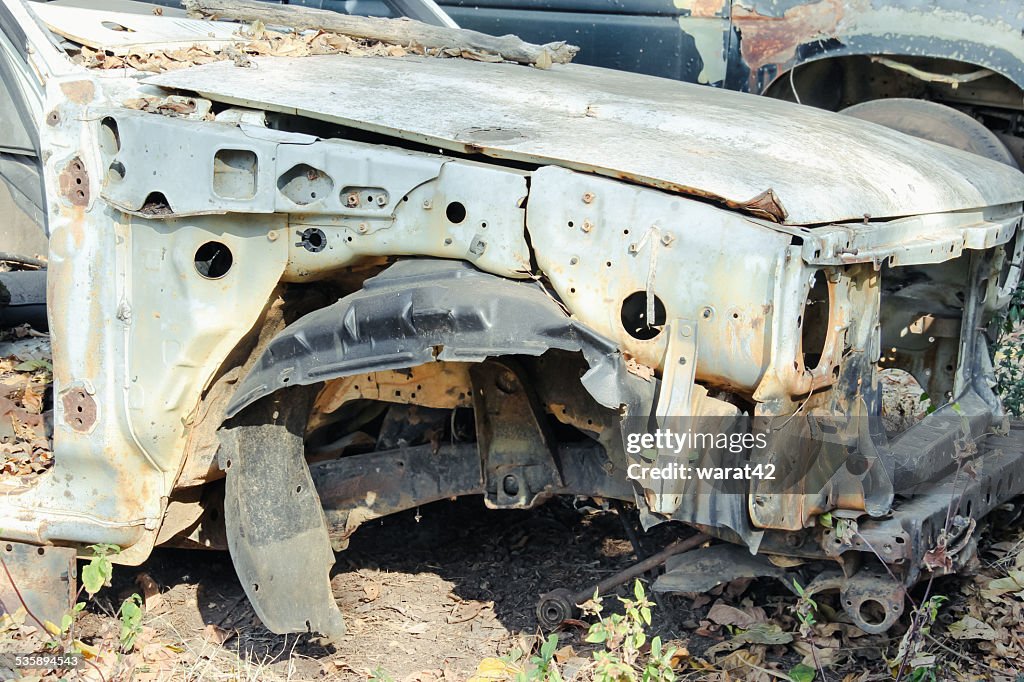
872	612
213	260
313	239
634	316
455	212
510	484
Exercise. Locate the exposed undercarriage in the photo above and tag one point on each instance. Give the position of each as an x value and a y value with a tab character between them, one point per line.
296	324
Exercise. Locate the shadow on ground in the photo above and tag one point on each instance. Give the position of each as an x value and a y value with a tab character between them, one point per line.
437	588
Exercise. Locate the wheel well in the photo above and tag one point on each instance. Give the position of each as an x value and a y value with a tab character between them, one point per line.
835	83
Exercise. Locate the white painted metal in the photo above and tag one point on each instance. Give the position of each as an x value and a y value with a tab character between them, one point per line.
663	133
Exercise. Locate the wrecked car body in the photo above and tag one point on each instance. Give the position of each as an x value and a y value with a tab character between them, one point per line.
334	287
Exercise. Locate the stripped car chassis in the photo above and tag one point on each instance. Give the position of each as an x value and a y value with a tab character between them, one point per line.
311	310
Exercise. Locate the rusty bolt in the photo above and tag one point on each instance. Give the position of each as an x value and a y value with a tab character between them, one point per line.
352	199
507	382
588	197
608	467
427	204
363	228
587	226
667	239
381	200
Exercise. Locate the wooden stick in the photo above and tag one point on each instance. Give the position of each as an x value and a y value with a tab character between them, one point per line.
396	31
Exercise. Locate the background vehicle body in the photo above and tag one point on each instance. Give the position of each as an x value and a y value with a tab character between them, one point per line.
835	54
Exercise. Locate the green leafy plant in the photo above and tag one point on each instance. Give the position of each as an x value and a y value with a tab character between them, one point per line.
542	666
624	636
99	570
378	674
805	610
911	651
130	615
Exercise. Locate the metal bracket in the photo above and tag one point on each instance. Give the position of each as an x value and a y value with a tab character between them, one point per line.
516	448
680	371
41	579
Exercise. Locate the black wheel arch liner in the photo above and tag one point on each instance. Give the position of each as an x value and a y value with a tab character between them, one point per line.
426	310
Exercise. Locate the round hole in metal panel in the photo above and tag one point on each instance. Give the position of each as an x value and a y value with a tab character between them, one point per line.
634	316
213	260
455	212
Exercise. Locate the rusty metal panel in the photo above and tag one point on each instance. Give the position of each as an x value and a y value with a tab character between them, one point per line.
700	141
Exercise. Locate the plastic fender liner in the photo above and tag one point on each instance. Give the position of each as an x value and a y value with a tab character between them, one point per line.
425	310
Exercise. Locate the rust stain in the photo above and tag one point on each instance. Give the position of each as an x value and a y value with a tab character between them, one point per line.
79	409
768	40
79	92
436	384
74	182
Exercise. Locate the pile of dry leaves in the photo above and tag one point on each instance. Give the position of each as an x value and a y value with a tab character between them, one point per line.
26	419
258	41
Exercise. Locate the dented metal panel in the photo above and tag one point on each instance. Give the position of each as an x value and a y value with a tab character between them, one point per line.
674	136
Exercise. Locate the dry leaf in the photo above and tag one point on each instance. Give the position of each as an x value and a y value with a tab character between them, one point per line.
969	627
371	591
417	629
723	614
216	634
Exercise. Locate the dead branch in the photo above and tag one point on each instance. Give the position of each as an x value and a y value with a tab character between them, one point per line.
396	31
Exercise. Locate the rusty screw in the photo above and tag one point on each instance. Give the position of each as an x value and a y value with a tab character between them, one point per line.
427	204
352	199
363	228
587	226
667	239
588	197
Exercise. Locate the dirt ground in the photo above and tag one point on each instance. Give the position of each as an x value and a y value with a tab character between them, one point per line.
429	594
432	591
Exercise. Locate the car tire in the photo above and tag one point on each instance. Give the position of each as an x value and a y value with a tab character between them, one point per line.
934	122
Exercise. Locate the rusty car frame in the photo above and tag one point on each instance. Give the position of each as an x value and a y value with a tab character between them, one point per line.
299	293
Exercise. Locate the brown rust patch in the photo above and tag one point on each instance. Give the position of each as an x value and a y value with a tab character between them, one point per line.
768	40
74	182
79	409
79	92
435	384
